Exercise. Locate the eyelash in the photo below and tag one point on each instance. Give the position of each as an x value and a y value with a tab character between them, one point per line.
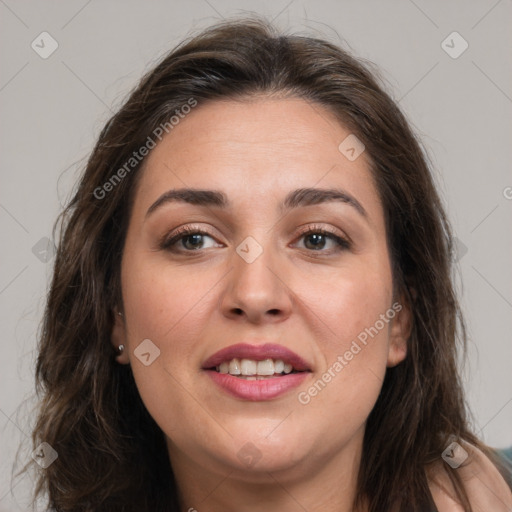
182	233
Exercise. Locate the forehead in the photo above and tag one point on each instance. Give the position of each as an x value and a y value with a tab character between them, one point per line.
255	150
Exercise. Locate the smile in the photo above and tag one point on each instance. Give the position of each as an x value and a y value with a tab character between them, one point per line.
256	372
251	369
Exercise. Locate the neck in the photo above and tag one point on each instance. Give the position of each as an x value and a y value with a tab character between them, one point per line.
315	484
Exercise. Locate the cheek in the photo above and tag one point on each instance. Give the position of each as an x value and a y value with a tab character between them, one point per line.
353	317
344	304
160	300
169	309
342	395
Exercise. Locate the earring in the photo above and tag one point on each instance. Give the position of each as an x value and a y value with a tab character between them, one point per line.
120	349
119	313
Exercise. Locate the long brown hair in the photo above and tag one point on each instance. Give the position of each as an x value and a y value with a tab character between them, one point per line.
111	454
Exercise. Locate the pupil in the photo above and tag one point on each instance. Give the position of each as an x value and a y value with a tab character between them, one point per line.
197	240
319	238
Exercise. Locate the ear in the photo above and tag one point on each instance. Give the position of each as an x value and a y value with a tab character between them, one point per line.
118	337
400	331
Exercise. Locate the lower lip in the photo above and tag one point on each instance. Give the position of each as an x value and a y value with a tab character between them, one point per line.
257	390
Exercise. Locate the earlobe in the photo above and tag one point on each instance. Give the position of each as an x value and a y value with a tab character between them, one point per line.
118	337
400	331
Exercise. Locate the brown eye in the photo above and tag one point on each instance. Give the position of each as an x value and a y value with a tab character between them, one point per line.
194	241
187	240
316	240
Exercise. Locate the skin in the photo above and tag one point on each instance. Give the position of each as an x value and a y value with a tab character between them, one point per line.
315	302
485	487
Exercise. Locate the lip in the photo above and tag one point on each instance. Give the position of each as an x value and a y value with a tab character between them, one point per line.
257	390
257	353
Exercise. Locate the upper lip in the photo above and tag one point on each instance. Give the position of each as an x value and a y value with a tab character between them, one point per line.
257	353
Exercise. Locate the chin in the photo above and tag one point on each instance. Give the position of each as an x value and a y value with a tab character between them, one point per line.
257	454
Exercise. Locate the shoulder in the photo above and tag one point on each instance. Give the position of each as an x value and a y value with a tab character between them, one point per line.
484	485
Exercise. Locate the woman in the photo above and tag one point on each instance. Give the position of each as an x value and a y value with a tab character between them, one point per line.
251	306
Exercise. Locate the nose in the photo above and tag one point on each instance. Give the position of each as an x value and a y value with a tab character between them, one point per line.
257	291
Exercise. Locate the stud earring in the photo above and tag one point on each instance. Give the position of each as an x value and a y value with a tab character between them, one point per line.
120	349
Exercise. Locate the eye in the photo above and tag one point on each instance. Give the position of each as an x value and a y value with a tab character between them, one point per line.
187	239
316	239
190	239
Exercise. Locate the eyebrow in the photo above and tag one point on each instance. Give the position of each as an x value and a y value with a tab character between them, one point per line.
297	198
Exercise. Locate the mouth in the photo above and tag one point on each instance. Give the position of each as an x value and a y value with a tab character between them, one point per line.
256	372
247	360
252	369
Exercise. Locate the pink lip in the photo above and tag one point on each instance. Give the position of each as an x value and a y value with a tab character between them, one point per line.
257	353
257	390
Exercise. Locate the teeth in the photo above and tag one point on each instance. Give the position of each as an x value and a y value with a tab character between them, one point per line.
248	367
234	367
265	367
279	366
254	370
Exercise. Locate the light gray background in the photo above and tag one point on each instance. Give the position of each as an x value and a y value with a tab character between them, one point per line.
53	109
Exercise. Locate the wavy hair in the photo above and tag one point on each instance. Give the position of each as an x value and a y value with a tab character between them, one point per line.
111	454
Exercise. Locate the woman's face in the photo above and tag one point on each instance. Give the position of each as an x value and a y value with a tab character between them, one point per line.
252	278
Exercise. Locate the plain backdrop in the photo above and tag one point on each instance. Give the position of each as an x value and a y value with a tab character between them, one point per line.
53	108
